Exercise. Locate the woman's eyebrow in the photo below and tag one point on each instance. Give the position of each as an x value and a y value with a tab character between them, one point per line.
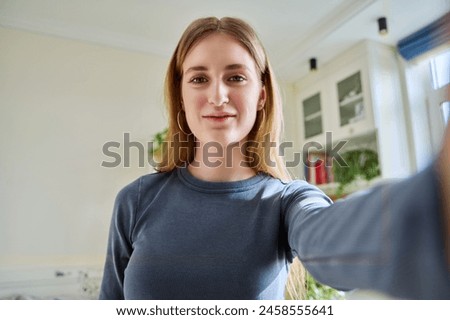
196	68
234	66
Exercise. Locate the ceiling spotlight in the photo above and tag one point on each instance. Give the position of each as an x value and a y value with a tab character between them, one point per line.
382	26
313	64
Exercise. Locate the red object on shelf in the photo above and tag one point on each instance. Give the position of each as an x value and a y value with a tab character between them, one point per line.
321	172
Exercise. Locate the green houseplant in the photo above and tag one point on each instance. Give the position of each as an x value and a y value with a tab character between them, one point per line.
360	163
157	144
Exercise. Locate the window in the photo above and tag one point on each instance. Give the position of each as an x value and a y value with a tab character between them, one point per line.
427	83
440	73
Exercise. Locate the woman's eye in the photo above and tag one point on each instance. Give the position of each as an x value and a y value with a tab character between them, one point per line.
237	78
198	80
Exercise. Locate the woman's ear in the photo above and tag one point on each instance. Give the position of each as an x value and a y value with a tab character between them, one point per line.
262	98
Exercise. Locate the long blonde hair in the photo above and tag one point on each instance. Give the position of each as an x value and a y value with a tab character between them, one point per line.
180	145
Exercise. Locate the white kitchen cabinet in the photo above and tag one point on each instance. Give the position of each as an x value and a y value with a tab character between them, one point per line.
313	113
351	101
357	96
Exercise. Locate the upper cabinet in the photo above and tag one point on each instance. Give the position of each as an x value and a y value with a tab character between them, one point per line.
358	94
312	111
351	99
338	102
314	119
349	90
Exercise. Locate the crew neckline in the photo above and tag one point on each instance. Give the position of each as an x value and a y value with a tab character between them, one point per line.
218	187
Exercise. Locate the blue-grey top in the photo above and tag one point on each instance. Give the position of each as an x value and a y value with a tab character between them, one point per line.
173	236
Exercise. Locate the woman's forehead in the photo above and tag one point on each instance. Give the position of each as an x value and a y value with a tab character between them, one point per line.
218	49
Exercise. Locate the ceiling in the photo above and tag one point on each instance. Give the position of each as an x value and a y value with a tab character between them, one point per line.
292	30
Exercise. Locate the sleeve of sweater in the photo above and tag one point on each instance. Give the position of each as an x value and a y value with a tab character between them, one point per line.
390	239
119	242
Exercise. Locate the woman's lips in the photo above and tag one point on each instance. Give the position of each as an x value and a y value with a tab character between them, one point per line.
219	117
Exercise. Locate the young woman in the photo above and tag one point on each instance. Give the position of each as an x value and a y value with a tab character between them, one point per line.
222	220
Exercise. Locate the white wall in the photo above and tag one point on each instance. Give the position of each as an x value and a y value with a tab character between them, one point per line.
60	101
293	156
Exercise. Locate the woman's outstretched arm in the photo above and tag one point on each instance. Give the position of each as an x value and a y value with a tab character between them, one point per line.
393	239
444	169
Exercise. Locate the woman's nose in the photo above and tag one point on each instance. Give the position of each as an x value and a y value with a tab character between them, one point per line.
218	94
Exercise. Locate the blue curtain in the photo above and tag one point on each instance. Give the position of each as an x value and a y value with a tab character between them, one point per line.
425	39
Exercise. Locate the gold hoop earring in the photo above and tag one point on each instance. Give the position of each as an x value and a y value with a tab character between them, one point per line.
178	122
263	111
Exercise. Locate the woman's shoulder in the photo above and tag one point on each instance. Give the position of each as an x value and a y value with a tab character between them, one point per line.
143	184
292	187
297	191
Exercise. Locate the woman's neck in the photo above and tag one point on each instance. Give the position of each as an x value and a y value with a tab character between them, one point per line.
214	162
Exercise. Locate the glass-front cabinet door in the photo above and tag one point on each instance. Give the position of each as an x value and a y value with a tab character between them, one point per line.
351	100
312	116
351	92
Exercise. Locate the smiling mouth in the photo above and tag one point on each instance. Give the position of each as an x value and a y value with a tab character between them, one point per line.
219	117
